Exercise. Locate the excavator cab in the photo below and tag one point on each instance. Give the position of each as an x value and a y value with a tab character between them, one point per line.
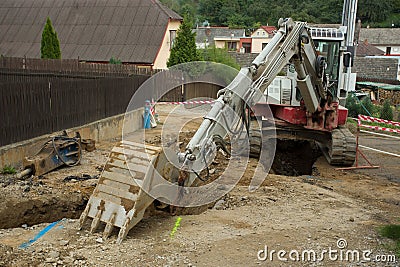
330	50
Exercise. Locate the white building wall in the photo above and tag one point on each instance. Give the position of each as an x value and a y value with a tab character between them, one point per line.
164	52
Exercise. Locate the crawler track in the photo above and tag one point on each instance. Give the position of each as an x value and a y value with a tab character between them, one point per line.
341	149
339	146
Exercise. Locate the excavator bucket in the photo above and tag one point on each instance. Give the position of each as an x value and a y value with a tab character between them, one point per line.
118	199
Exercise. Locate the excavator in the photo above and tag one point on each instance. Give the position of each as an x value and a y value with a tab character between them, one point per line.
138	174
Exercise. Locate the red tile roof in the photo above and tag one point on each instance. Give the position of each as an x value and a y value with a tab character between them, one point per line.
366	49
269	29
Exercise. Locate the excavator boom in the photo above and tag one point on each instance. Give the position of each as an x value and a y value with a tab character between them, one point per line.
130	175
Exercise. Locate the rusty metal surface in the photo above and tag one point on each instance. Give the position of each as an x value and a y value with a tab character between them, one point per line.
58	151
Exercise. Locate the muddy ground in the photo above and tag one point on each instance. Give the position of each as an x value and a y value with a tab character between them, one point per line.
290	213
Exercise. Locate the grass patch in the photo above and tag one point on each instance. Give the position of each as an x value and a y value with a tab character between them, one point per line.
392	231
8	169
351	121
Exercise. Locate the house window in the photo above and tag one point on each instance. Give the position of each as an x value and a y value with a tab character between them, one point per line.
388	50
172	36
231	46
264	45
247	47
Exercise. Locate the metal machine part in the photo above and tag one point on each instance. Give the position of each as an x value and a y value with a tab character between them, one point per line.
57	151
336	45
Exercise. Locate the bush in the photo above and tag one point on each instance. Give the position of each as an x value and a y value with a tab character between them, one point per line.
367	108
352	105
386	111
219	55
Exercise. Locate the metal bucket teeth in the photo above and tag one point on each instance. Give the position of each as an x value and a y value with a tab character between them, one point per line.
118	200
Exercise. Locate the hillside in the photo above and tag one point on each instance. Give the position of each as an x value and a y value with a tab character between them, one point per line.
251	13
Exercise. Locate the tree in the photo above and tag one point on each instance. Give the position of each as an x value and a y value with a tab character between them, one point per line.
115	61
184	47
50	46
352	105
218	55
386	111
374	11
247	12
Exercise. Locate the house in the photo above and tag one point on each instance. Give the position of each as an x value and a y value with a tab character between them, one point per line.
139	32
220	37
386	39
234	40
261	37
365	49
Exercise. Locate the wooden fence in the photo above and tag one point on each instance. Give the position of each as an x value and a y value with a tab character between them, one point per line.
34	103
72	65
43	96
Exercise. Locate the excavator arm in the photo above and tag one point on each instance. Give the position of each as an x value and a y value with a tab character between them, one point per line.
135	174
291	44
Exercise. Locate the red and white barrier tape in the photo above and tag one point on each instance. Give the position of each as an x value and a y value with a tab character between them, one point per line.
186	102
372	119
381	128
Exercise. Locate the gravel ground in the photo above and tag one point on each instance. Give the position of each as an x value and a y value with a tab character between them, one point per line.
309	212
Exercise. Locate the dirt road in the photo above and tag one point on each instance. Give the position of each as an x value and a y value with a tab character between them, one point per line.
296	215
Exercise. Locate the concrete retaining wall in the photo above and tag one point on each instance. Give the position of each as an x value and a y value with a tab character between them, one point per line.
101	130
243	59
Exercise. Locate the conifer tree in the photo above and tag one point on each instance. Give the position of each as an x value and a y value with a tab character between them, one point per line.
184	47
50	45
386	111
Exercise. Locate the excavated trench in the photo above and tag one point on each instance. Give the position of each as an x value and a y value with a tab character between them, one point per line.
18	212
295	157
33	200
29	207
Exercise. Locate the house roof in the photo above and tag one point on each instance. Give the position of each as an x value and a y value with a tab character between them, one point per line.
93	30
380	36
209	34
366	49
375	85
269	29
